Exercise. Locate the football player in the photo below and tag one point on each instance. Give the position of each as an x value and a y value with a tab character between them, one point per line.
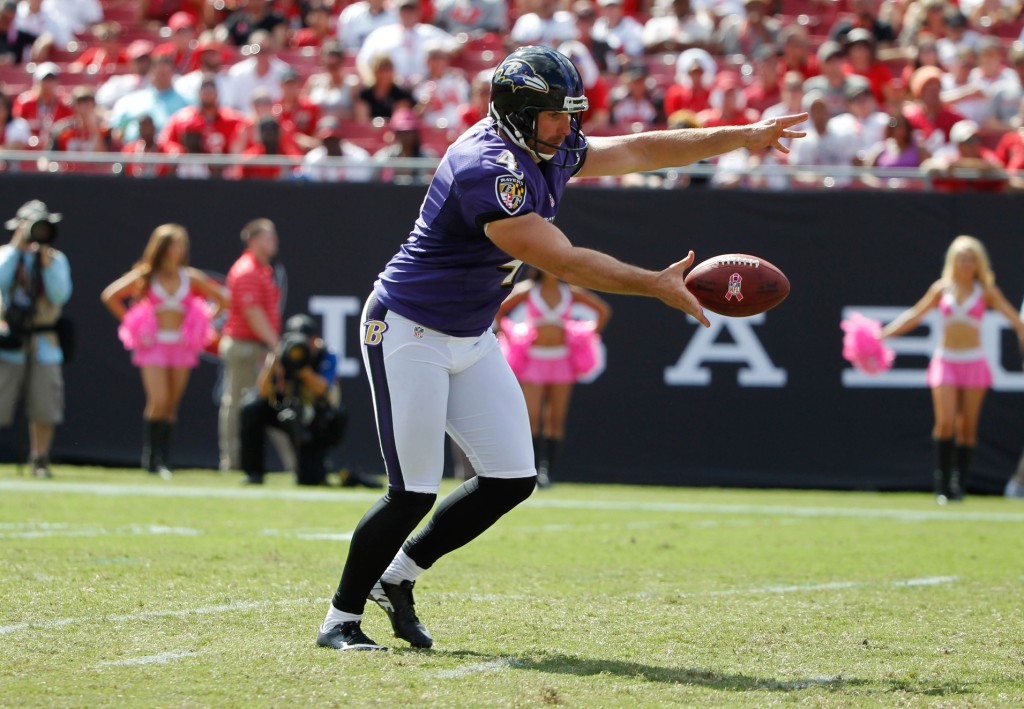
433	363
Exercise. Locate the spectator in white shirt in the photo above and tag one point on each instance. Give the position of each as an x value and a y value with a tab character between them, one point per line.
334	145
678	29
616	28
863	125
360	19
211	62
261	70
547	26
77	14
140	53
442	92
406	43
50	29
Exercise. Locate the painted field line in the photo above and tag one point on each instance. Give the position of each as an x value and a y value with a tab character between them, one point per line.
140	490
149	615
162	658
46	530
832	586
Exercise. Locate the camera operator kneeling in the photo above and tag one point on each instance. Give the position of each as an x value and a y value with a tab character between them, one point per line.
294	393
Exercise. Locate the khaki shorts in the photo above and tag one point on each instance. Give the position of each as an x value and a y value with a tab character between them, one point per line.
45	400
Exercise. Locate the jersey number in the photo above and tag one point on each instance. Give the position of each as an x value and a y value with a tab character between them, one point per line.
513	270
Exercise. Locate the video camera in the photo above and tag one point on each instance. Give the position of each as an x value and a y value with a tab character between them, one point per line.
42	232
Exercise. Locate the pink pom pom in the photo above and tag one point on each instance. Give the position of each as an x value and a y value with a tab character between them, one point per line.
863	346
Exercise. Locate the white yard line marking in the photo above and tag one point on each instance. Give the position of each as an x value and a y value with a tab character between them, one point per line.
309	535
832	586
149	615
36	530
150	659
140	490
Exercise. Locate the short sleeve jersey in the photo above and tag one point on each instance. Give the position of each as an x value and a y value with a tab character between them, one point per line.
448	275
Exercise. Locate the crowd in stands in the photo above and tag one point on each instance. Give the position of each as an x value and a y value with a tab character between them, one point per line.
934	85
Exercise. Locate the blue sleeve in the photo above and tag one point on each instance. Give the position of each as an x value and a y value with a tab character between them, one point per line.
328	367
57	279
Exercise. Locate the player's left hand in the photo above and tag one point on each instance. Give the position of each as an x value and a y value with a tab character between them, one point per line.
771	131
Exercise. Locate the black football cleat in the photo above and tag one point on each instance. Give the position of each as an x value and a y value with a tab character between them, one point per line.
396	600
347	636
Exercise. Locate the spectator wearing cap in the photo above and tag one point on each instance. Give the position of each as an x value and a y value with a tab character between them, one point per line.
358	20
791	98
404	140
695	75
832	83
139	53
299	111
332	89
218	124
106	54
992	16
928	113
83	132
862	60
146	144
795	54
862	123
442	90
255	16
598	113
472	17
633	102
764	90
382	96
331	136
158	100
405	43
262	70
961	93
865	16
546	25
821	147
727	105
180	43
210	53
618	29
744	33
44	104
965	164
47	29
679	29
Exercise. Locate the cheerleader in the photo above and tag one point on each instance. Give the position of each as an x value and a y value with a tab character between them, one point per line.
549	352
958	374
165	324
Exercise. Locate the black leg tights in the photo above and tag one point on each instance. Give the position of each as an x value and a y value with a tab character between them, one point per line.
465	514
378	537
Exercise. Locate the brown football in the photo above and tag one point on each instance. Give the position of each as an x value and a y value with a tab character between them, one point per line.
737	285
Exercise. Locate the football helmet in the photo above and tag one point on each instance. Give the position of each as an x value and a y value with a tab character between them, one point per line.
534	79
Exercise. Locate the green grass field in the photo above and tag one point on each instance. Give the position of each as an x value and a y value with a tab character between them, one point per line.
123	590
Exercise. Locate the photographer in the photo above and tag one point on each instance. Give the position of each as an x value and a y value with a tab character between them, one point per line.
295	392
35	283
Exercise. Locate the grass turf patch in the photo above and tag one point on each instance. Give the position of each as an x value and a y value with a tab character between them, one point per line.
123	590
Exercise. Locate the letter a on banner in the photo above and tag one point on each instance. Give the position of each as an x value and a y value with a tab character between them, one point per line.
745	348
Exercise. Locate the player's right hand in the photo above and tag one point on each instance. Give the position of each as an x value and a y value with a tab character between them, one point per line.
676	295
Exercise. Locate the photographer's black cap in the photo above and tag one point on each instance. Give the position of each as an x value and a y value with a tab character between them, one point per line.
302	324
32	212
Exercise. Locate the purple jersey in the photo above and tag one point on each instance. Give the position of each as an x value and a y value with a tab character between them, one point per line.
448	275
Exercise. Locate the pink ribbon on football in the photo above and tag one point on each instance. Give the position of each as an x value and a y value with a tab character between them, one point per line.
863	346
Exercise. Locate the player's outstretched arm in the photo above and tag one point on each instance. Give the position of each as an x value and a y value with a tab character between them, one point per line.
654	150
533	240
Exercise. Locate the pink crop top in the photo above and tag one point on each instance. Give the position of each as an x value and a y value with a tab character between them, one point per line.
175	302
540	313
969	312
